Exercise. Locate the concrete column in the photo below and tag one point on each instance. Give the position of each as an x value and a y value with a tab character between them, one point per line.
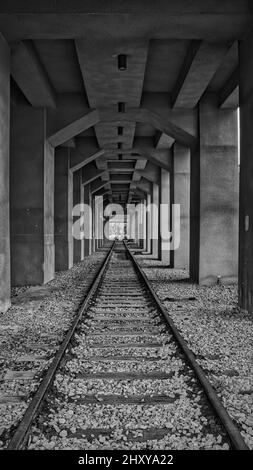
131	223
77	200
149	225
82	239
88	221
214	199
144	224
62	210
181	173
94	234
4	175
32	198
136	233
164	216
101	224
155	220
246	176
98	221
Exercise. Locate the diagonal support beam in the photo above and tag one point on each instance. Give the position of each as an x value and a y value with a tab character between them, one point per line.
145	185
151	173
97	185
229	95
75	128
77	160
30	76
90	173
201	62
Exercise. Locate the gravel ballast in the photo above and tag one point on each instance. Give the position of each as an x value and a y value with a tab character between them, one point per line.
31	333
217	331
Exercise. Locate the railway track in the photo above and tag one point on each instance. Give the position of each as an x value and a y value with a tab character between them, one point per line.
124	377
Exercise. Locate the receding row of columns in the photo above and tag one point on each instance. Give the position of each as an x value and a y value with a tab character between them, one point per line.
204	183
36	219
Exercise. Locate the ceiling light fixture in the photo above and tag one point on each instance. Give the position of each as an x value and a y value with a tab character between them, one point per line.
122	61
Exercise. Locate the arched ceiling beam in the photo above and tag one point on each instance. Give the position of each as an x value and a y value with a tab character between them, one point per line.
143	115
132	115
80	125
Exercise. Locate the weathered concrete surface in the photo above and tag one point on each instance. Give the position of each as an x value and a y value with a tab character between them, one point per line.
32	198
148	225
217	252
155	225
246	175
181	182
164	216
87	221
144	226
4	176
166	19
63	187
77	196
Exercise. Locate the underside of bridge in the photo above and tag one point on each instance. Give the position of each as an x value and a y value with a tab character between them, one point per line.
135	102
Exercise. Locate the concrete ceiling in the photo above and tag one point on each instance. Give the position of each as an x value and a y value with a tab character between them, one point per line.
64	56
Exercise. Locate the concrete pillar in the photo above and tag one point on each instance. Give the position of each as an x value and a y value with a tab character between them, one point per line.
77	200
144	225
98	221
164	216
136	232
181	171
82	239
4	175
32	197
88	221
94	242
101	232
214	200
149	225
63	210
246	176
155	220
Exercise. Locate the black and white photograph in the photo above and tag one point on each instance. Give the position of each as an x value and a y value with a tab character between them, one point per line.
126	232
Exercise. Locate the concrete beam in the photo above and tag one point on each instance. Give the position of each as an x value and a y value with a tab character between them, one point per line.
97	185
75	128
71	143
121	178
144	185
90	173
201	62
86	151
140	164
229	95
166	20
30	75
151	173
163	141
157	121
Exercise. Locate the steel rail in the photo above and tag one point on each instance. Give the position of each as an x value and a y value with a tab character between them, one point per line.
21	433
230	427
